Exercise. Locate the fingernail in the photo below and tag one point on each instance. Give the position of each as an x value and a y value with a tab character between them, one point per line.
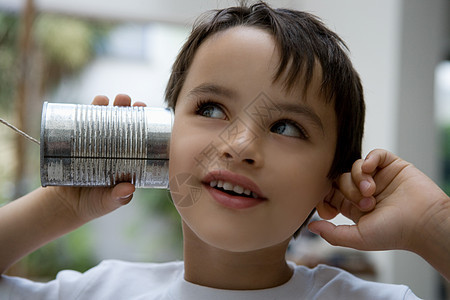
366	204
364	186
124	197
313	230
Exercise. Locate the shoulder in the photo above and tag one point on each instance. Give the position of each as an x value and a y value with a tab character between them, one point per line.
332	283
111	279
110	276
124	269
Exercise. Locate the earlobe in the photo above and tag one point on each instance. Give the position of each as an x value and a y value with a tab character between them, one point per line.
325	209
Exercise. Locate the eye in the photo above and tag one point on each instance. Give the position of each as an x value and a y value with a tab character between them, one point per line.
289	128
210	110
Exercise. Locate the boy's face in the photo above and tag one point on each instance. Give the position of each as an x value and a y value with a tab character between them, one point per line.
235	126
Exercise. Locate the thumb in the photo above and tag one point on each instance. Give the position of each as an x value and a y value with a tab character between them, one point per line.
118	196
96	202
342	235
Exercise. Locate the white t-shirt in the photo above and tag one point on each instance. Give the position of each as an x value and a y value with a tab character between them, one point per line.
114	279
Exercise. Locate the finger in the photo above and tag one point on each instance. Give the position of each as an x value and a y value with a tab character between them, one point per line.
351	189
377	158
100	100
122	100
342	235
348	187
336	203
106	200
384	168
122	193
373	160
139	103
363	181
366	185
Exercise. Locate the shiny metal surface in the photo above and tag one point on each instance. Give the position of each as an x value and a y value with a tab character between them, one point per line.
90	145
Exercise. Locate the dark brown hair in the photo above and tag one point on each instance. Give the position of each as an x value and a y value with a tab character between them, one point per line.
303	41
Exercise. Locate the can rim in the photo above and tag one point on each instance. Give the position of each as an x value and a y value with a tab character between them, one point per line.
42	143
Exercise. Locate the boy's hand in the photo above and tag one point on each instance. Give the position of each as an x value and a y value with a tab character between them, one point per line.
394	206
89	203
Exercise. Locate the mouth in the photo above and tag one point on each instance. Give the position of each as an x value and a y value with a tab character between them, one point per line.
233	190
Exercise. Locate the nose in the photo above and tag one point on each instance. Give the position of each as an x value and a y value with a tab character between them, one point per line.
241	144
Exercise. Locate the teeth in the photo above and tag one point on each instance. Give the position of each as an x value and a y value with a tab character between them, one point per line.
238	189
230	187
227	186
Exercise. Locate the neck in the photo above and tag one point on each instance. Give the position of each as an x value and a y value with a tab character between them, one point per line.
217	268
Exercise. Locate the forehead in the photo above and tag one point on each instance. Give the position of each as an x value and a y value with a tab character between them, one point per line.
241	50
249	48
238	51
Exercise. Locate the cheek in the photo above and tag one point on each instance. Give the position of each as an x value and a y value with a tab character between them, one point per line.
299	201
195	146
191	152
183	149
304	183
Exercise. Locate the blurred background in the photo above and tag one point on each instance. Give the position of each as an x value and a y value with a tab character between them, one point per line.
70	51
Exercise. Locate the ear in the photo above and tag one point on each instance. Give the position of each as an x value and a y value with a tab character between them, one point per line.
324	208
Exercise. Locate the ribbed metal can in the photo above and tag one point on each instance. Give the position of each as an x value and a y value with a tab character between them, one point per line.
92	145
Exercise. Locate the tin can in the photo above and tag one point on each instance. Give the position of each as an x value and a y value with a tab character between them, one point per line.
92	145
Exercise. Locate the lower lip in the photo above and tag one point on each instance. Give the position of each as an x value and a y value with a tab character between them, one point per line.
234	202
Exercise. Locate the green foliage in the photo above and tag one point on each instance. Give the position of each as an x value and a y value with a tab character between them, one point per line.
159	201
64	41
72	251
67	42
8	52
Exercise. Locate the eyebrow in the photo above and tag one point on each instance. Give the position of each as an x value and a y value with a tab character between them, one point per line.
214	89
301	110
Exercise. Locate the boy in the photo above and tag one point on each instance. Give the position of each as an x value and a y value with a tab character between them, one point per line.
268	115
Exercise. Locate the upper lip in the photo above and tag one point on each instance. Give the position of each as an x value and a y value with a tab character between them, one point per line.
235	179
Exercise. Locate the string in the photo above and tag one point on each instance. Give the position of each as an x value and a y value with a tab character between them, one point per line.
19	131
